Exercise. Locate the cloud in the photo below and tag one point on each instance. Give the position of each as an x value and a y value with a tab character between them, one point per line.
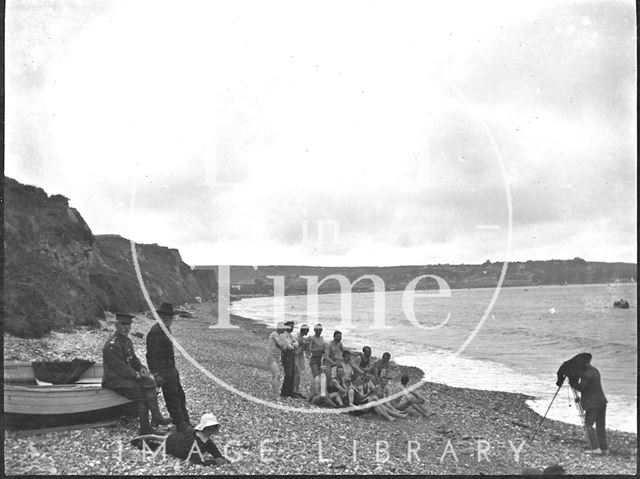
243	126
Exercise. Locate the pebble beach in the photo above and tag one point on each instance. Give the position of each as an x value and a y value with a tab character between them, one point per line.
470	431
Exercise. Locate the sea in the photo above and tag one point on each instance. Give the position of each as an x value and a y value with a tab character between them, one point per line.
515	343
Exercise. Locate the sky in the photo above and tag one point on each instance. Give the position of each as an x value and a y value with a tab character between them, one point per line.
333	133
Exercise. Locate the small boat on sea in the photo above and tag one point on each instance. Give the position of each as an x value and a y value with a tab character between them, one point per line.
23	394
621	304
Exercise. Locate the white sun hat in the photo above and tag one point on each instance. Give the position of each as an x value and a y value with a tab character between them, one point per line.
207	420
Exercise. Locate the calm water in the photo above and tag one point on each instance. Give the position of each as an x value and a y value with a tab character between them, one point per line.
526	336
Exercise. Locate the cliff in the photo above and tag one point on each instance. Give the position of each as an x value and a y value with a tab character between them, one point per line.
48	248
57	274
166	277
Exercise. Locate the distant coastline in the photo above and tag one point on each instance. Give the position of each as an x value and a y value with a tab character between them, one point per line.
262	295
249	282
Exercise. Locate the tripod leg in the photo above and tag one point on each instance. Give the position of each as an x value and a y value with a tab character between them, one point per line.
545	414
587	431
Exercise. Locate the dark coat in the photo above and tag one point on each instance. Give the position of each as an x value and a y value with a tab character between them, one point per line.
590	388
160	355
120	363
180	443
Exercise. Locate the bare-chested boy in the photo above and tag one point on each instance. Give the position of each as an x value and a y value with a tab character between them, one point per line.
411	399
317	350
380	366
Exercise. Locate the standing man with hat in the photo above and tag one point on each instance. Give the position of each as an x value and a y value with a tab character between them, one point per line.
125	374
161	361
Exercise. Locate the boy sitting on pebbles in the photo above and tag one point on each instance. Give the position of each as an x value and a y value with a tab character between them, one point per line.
408	399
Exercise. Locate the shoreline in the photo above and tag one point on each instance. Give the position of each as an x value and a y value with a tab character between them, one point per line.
465	421
415	372
498	366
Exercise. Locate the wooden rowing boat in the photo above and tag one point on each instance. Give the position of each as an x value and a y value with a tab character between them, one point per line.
23	396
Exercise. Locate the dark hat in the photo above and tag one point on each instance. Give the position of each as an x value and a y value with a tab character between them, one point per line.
166	308
124	318
289	323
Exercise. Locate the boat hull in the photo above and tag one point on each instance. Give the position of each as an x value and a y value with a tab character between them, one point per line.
22	396
59	399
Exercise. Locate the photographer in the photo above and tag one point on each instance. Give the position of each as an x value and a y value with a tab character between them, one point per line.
594	402
586	379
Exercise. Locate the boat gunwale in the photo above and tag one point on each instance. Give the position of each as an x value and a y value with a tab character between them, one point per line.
55	387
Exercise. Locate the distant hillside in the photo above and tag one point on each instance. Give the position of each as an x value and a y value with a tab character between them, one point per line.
247	281
57	274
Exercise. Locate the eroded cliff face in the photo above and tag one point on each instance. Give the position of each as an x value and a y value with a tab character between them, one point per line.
57	274
48	249
165	276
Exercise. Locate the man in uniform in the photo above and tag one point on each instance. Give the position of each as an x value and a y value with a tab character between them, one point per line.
161	361
125	374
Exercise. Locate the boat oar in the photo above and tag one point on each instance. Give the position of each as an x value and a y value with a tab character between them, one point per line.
545	414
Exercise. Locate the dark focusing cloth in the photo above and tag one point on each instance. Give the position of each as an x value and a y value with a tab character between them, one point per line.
572	368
